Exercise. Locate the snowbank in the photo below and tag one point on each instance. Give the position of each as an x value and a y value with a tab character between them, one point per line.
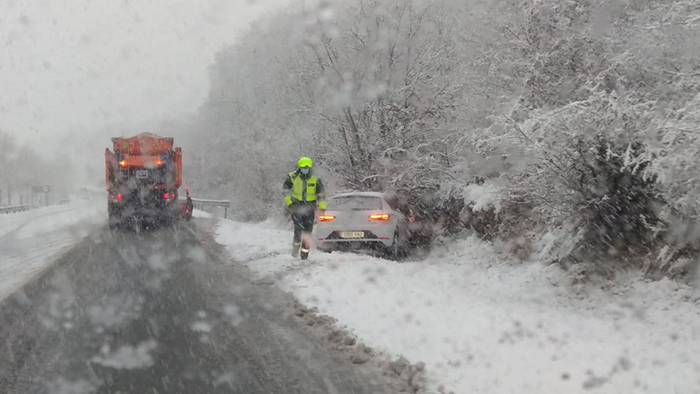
196	213
481	324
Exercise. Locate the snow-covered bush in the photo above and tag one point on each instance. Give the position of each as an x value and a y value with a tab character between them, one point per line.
602	132
592	167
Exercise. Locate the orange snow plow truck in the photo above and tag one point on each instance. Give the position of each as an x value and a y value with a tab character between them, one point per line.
143	176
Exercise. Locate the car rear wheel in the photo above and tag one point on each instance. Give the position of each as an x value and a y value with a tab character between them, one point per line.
395	248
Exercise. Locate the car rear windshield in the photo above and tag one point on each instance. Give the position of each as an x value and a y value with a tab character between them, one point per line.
355	203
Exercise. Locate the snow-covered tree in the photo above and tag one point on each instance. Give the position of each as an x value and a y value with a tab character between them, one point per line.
507	116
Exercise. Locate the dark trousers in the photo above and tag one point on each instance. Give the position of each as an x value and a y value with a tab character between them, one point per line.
303	217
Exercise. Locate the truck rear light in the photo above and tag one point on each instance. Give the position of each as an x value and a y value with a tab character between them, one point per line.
379	217
326	218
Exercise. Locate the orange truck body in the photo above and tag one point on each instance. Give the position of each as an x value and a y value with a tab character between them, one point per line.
143	174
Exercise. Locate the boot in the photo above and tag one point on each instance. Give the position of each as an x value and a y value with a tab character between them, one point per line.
295	249
305	248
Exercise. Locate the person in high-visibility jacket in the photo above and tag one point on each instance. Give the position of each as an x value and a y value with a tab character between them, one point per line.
305	193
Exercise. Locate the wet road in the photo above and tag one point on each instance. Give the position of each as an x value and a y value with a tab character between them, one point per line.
161	312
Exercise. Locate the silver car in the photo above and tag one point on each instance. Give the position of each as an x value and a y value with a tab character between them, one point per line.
361	219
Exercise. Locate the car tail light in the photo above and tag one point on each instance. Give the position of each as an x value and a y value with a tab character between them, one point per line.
120	197
122	164
326	218
166	196
379	217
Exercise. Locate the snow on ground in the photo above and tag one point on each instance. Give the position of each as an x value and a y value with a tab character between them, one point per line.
201	214
482	324
30	241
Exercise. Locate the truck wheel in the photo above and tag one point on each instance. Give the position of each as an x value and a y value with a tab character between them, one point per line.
114	224
113	219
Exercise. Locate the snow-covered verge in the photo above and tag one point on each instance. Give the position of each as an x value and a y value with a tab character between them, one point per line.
483	324
30	241
201	214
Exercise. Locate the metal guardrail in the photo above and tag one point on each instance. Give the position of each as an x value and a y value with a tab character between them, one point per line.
202	203
15	208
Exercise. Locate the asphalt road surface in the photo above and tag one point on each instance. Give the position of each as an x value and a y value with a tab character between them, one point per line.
162	312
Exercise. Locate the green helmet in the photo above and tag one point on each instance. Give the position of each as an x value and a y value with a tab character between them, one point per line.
305	162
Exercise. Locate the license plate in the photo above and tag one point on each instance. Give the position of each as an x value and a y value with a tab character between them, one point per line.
142	174
352	234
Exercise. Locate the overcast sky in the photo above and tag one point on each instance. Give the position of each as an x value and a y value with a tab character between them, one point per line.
76	65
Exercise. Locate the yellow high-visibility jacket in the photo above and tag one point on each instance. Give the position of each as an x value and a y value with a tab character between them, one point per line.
303	189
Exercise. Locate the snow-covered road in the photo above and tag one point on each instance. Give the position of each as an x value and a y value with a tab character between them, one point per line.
30	241
159	312
483	324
